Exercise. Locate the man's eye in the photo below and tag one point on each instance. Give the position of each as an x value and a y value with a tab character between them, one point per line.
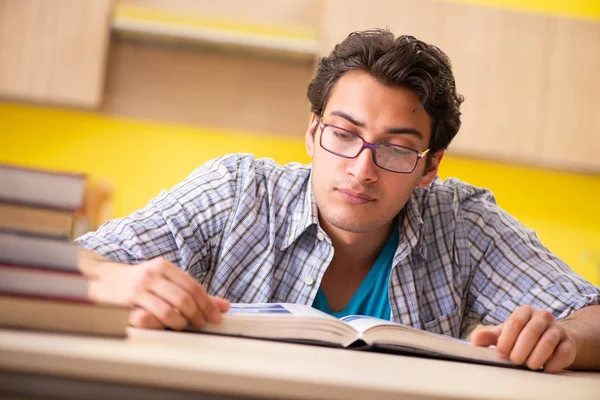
343	135
399	151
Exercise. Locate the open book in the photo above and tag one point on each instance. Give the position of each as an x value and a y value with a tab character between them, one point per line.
304	324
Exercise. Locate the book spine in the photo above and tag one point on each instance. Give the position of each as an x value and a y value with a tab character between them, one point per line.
39	269
60	299
35	235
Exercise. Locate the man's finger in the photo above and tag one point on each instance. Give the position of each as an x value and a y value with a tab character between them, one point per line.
179	299
161	310
196	291
512	328
544	348
529	336
563	356
487	336
222	304
141	318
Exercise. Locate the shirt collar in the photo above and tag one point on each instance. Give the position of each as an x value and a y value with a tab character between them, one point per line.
303	215
410	226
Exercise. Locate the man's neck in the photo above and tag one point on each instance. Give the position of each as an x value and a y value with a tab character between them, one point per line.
355	255
360	248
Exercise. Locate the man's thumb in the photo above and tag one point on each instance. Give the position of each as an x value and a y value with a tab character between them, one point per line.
486	336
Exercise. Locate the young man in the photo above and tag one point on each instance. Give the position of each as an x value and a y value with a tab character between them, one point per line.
368	228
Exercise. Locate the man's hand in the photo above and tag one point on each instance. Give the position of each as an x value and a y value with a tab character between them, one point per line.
531	337
162	294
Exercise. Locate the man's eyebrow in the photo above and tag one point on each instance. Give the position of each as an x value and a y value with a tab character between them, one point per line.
408	131
349	118
360	124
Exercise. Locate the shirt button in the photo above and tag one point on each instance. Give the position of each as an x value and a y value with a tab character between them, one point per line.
309	280
320	236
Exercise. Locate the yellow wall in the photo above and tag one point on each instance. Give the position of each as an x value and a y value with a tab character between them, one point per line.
141	158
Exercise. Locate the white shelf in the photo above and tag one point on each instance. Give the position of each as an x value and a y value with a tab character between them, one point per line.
262	44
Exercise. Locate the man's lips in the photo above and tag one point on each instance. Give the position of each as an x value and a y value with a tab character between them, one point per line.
354	196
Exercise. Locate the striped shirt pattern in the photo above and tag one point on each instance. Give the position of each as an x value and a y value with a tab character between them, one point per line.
247	229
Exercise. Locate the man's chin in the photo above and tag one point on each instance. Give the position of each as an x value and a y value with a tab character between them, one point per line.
353	223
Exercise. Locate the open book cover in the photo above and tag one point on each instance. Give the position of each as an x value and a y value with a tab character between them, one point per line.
304	324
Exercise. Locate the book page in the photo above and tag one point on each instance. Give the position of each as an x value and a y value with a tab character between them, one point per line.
276	310
396	337
362	323
291	322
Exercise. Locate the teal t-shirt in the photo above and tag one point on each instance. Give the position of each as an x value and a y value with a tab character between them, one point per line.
371	298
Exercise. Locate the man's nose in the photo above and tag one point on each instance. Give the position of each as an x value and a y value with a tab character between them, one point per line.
363	167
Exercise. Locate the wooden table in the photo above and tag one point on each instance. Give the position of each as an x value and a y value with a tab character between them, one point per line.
161	364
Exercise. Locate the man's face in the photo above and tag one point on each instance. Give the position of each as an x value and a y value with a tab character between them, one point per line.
355	195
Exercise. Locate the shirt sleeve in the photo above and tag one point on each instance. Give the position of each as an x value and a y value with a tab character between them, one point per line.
179	224
512	268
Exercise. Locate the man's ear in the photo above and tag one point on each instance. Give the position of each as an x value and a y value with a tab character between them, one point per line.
310	132
432	171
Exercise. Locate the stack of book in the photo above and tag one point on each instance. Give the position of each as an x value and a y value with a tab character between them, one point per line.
41	286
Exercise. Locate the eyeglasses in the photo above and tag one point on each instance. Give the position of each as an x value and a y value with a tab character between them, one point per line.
387	156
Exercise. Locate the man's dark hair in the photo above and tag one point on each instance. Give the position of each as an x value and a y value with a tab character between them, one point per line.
403	61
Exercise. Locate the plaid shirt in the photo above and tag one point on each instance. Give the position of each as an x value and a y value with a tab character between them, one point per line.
247	229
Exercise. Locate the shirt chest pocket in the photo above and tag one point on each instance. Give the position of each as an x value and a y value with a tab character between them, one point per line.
447	324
